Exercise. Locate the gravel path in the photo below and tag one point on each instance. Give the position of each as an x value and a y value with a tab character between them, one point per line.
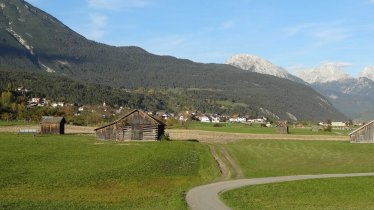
206	196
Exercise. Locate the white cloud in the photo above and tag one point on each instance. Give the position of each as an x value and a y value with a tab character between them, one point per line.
322	33
166	44
96	29
117	4
330	35
227	25
338	64
293	30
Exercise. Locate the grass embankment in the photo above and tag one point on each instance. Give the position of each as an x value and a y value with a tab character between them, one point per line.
254	129
267	158
72	172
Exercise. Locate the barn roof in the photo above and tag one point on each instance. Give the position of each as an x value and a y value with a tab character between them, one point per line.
157	121
367	124
49	119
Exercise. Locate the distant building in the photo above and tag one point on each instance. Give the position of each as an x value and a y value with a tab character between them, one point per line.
52	125
338	124
282	127
237	119
363	134
216	119
205	119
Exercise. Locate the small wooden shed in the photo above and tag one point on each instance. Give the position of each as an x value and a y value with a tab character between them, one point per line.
52	125
363	134
136	125
282	127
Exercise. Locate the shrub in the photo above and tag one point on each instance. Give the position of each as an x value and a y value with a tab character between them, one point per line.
217	125
165	137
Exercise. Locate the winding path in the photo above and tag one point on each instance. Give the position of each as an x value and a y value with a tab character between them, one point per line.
206	197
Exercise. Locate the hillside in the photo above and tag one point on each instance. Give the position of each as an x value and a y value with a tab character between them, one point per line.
355	97
34	41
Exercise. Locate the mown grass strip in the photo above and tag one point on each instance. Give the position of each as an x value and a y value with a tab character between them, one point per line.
267	158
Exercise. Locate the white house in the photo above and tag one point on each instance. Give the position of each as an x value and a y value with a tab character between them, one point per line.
237	119
338	124
205	119
215	120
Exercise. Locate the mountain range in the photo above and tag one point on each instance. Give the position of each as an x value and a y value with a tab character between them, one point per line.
33	42
352	96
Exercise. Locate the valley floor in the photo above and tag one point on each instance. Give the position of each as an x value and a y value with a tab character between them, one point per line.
77	172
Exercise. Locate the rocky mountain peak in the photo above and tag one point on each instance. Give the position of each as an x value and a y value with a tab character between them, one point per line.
326	72
368	72
257	64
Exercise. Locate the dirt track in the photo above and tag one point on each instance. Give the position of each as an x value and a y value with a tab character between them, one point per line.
69	129
202	136
221	137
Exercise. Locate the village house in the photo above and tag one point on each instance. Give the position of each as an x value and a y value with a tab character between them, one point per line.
338	124
216	119
52	125
363	134
205	119
237	119
136	125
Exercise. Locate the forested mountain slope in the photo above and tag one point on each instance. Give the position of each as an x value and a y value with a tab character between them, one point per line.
33	41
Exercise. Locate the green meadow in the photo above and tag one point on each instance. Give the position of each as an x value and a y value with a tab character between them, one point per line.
76	172
267	158
329	194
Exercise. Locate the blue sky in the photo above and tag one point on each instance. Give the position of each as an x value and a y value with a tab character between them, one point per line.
293	34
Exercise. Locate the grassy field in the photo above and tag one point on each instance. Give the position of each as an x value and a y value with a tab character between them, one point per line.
340	194
75	172
255	129
265	158
14	123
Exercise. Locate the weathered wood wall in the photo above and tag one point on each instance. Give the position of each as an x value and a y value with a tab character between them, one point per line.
136	126
282	129
364	135
52	128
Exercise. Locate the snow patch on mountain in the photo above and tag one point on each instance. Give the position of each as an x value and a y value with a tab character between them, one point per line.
257	64
368	72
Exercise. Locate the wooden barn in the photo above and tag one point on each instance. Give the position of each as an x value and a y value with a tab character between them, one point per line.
136	125
363	134
52	125
282	127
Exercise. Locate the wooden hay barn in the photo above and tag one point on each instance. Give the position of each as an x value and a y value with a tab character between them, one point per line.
136	125
363	134
52	125
282	127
